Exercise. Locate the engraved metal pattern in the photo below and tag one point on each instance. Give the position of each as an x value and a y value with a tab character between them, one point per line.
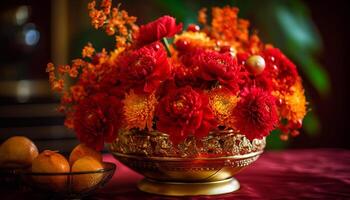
219	156
221	143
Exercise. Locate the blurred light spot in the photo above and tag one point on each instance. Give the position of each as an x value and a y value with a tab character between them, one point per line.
31	34
22	14
32	37
23	91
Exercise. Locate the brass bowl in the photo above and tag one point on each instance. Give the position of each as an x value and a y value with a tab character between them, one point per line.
194	167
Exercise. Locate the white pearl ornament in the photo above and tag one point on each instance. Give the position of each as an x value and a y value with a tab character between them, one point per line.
255	64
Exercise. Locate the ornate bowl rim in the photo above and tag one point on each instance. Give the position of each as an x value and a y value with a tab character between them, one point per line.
159	158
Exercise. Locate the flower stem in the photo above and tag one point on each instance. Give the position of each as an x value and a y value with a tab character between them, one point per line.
166	44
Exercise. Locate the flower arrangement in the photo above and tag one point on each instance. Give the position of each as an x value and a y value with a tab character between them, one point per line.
215	76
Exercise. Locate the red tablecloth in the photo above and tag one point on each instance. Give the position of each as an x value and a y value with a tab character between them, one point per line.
291	174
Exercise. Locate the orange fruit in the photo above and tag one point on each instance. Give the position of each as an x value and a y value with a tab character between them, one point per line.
51	162
17	151
82	150
85	181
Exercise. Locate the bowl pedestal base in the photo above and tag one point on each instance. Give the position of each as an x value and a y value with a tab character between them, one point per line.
188	188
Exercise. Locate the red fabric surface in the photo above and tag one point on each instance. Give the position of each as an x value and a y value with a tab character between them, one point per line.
291	174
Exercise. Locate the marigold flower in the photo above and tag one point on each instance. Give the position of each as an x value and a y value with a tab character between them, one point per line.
139	110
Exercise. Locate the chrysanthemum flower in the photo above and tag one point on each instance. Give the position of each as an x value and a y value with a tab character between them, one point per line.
183	112
220	75
97	119
279	69
214	66
256	113
222	102
139	110
189	40
144	69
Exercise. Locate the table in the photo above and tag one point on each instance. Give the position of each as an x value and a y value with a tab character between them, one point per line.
289	174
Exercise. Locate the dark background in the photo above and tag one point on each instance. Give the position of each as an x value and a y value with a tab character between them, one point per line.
333	110
27	105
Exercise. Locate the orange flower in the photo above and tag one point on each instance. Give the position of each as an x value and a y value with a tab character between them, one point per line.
50	67
293	106
98	18
120	41
88	51
78	92
139	110
205	83
255	45
202	16
189	40
222	102
227	28
106	5
55	83
113	21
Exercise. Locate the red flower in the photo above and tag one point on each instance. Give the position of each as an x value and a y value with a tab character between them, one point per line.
262	81
214	66
97	120
101	77
279	67
186	75
145	68
162	27
242	57
185	111
255	114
